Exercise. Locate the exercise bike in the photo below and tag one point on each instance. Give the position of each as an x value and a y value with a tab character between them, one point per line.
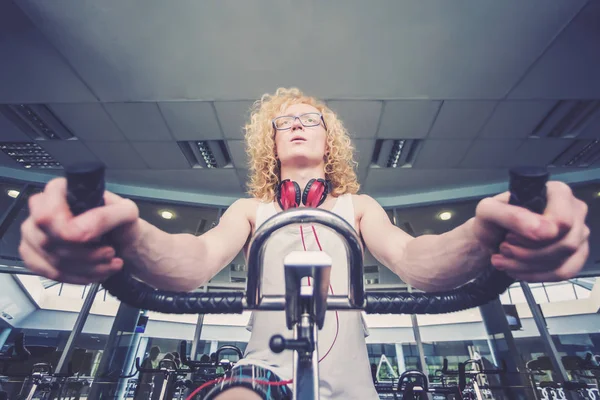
171	387
44	382
304	308
205	371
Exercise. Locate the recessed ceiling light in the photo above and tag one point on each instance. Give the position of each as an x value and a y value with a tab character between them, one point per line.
166	214
12	193
445	215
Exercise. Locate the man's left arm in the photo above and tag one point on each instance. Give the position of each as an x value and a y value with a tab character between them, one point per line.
531	247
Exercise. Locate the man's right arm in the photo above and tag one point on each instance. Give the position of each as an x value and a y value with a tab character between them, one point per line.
183	262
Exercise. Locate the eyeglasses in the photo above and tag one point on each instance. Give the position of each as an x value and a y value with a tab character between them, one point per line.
307	120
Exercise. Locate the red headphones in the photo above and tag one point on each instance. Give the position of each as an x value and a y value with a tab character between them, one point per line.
314	194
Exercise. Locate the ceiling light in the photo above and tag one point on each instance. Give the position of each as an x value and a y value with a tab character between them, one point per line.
445	215
167	214
30	155
395	154
13	193
597	194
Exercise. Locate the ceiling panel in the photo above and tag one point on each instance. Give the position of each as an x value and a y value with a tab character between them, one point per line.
539	152
516	119
360	118
490	153
222	181
407	49
461	119
68	152
10	133
400	181
592	130
569	68
191	120
88	121
117	155
31	69
439	153
139	121
407	119
161	155
237	150
233	116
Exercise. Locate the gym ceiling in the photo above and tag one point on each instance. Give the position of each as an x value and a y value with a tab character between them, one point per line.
472	88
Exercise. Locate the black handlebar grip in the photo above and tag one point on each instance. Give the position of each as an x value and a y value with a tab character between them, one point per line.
85	186
528	188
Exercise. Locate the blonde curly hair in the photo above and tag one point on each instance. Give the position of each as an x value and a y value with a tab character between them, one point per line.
260	146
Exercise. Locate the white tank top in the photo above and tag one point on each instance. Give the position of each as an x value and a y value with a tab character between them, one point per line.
345	372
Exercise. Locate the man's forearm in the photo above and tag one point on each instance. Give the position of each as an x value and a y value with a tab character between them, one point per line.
166	261
441	262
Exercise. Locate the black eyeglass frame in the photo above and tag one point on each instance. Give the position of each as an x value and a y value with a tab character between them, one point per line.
298	118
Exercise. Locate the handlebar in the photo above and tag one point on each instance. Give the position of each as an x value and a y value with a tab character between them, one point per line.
419	377
85	189
185	360
228	347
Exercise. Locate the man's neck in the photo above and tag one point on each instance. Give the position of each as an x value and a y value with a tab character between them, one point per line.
302	175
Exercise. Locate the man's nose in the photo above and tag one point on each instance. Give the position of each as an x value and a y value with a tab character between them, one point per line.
297	124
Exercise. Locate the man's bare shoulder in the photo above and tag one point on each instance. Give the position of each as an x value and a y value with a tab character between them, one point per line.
247	206
362	202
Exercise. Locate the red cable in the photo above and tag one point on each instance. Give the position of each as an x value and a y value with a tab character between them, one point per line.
250	380
337	317
337	329
316	237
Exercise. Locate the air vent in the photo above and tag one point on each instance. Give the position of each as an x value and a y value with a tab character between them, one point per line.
235	279
238	267
36	121
395	153
30	155
206	153
581	154
567	119
371	269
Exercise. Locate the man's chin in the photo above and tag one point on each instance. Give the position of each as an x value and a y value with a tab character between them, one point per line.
301	161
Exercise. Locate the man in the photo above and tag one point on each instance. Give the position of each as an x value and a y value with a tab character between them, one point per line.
145	380
294	137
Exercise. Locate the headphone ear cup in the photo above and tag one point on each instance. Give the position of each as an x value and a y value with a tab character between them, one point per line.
297	194
288	194
279	194
306	191
315	192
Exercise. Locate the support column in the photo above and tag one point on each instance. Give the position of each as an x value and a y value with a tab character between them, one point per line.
65	357
116	352
559	374
417	333
503	348
400	355
197	336
129	364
